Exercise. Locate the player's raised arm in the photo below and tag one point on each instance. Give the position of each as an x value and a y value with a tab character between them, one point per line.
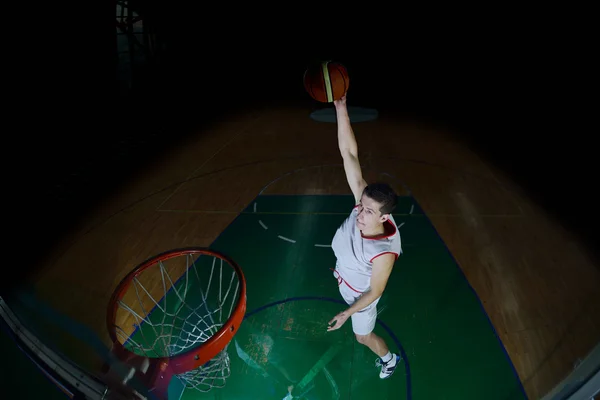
349	150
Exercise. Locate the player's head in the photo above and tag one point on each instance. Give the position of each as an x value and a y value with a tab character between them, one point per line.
378	200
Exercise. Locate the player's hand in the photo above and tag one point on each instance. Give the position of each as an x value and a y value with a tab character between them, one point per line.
339	321
341	102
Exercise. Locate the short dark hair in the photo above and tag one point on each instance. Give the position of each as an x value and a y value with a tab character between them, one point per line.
384	195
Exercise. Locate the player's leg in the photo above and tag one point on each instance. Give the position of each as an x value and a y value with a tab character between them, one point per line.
375	343
363	323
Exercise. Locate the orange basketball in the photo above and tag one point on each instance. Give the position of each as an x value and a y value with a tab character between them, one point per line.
327	81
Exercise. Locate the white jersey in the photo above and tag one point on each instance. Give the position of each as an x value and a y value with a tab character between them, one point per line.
355	253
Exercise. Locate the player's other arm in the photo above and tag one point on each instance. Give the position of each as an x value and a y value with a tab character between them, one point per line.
349	150
382	268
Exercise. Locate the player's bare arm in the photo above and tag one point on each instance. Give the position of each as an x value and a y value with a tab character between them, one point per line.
349	150
382	268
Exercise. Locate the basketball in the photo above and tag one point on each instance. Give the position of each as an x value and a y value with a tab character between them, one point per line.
327	81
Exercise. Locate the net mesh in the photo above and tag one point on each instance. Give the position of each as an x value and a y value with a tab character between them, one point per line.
176	305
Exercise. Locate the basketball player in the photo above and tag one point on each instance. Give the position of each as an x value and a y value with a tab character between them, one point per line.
366	246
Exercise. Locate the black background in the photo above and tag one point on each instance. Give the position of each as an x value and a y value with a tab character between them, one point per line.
514	88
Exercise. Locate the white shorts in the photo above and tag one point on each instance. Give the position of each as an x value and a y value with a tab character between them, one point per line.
363	321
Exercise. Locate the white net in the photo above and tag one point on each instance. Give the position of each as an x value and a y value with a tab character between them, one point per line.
177	305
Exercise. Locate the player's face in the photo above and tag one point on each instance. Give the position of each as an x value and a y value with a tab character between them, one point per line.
369	217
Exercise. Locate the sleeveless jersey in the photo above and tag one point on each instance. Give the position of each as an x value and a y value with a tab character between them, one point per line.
355	253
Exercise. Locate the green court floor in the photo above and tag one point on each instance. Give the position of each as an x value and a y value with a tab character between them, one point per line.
428	313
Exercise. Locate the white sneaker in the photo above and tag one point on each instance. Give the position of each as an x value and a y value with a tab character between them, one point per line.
388	368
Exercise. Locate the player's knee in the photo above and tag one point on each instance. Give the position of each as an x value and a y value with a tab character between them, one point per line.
363	339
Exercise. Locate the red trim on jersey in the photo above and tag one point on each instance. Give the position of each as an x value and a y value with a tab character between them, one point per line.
340	280
386	252
389	232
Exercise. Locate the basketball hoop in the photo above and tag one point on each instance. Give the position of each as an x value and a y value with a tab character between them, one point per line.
174	315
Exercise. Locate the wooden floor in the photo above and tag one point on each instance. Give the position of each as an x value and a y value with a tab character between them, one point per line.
536	283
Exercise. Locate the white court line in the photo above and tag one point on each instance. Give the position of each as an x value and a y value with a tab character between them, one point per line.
262	224
286	239
412	207
400	225
322	245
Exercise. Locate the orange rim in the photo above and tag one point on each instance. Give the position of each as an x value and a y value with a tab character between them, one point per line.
192	358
